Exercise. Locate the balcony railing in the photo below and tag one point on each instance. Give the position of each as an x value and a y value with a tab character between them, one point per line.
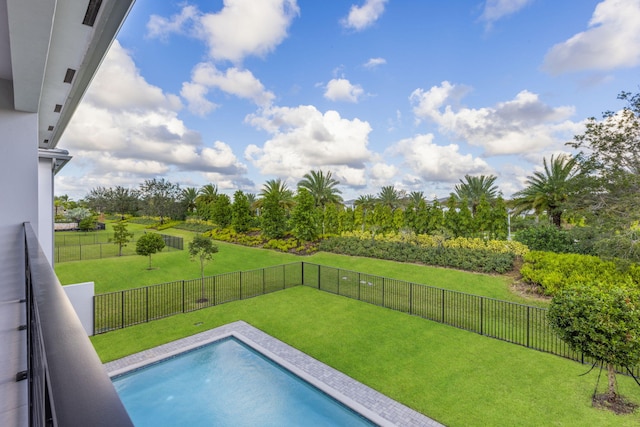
68	385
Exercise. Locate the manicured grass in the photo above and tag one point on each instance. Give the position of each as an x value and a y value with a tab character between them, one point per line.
454	376
113	274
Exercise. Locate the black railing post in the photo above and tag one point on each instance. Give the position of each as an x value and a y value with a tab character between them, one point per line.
183	298
443	305
146	297
383	303
359	284
410	298
528	324
241	285
263	283
319	278
481	316
122	302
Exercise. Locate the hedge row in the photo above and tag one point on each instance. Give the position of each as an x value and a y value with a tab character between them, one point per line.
478	260
553	272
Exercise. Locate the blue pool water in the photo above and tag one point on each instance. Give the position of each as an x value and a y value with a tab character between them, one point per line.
227	383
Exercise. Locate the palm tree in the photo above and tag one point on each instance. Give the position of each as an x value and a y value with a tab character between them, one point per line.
188	198
415	197
279	189
322	187
389	196
207	194
368	202
474	188
548	191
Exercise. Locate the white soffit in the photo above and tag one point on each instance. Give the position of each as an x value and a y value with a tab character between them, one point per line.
47	38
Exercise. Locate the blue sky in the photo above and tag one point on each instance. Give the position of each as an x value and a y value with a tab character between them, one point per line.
410	93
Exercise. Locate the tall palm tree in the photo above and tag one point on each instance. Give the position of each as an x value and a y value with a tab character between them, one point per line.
367	202
474	187
389	196
415	197
188	198
322	187
279	189
207	193
549	190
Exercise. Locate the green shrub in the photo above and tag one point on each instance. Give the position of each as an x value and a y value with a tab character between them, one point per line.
554	272
479	260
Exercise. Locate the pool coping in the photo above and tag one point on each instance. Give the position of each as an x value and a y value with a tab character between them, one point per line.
372	404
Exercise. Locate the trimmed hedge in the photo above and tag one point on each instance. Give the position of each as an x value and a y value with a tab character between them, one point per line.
554	272
478	260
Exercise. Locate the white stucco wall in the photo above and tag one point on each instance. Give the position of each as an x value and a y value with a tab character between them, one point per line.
45	206
19	203
81	297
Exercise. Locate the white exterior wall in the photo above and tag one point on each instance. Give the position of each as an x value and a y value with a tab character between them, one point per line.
45	206
19	203
81	297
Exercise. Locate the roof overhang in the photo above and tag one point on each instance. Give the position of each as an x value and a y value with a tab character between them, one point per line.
59	157
54	50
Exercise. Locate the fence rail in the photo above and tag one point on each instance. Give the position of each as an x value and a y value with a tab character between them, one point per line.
507	321
97	250
129	307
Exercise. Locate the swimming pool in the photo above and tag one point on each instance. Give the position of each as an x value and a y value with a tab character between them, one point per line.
227	383
372	404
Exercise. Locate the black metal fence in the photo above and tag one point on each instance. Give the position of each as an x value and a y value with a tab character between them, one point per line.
118	310
102	249
507	321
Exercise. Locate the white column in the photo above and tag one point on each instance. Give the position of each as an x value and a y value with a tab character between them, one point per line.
45	206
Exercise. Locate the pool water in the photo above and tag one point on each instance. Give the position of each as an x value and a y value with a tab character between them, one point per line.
227	383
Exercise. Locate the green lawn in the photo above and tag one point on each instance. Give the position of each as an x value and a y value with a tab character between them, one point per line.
457	377
114	274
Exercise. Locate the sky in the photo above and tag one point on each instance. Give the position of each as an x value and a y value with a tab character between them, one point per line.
410	93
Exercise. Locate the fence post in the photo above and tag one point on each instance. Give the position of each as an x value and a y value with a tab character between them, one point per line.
411	298
284	277
319	277
383	304
146	297
263	283
302	271
528	324
443	306
359	285
481	316
241	285
122	300
183	302
338	281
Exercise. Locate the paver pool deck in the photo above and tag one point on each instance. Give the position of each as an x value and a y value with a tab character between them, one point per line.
374	405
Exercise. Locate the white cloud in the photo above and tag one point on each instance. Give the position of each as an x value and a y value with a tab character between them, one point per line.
241	28
497	9
304	139
375	62
234	81
361	17
612	41
128	127
343	90
183	22
520	126
432	162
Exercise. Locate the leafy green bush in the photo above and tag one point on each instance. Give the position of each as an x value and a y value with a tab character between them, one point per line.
554	272
437	241
480	260
545	238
